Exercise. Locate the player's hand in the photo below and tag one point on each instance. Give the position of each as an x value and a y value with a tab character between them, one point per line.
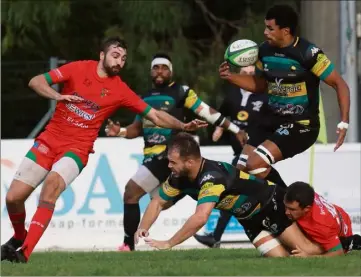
218	132
70	98
298	252
112	129
224	71
195	125
140	233
242	137
341	137
159	244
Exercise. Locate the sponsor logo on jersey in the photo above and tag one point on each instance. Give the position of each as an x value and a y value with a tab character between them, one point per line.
257	105
207	178
314	50
83	114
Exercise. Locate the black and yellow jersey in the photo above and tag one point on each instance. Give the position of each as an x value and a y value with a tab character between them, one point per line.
173	99
232	190
293	74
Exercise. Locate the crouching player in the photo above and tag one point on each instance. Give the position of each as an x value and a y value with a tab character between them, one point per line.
325	223
256	203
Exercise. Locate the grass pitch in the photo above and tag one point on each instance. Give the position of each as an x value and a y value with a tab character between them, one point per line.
204	262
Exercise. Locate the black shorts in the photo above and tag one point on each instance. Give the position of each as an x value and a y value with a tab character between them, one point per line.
272	218
291	138
235	159
158	166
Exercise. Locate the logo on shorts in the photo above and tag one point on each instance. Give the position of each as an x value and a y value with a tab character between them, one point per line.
273	228
41	147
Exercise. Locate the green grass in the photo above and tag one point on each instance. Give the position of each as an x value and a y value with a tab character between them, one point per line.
180	262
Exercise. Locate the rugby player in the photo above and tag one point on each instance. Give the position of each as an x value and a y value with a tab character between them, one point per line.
289	68
256	203
246	110
174	99
325	223
92	92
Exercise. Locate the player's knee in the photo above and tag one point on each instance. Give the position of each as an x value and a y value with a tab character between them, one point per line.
18	193
13	198
256	166
132	193
267	245
53	186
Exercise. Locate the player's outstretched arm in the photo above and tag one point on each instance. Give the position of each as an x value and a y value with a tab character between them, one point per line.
40	85
150	216
192	225
133	130
212	116
165	120
252	83
343	96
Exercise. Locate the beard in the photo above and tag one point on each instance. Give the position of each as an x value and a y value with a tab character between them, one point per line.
111	70
165	82
182	173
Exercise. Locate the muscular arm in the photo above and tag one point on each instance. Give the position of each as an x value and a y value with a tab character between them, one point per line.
164	120
152	212
40	85
133	130
193	224
343	93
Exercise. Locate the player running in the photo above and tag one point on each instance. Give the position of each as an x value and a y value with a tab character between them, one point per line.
290	69
256	203
325	223
176	100
92	92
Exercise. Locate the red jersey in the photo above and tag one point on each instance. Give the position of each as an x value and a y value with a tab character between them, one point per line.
80	122
326	223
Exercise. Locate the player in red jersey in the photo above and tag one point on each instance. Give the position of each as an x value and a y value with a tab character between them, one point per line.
325	223
92	92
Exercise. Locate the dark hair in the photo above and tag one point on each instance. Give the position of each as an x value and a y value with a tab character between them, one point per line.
116	41
186	145
301	192
284	16
162	55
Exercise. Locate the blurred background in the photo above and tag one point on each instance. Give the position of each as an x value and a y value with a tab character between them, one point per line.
39	35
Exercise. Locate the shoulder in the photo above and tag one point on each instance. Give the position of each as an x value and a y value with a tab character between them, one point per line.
211	172
308	49
84	64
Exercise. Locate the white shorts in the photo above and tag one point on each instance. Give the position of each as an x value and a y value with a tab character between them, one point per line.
32	174
146	180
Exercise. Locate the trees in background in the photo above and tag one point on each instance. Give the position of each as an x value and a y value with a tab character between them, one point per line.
194	32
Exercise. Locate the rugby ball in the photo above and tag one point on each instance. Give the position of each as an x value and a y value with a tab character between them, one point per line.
242	53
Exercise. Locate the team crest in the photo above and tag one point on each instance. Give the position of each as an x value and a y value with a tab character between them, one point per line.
242	116
104	92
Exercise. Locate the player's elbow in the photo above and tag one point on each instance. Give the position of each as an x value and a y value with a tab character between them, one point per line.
35	81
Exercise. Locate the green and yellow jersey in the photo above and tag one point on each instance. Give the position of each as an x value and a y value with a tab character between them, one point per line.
173	99
293	74
232	190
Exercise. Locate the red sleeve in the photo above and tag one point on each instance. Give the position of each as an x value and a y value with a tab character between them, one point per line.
62	73
132	101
